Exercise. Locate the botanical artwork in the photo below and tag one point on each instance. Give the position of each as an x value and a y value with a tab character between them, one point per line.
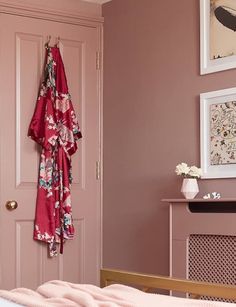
222	28
223	133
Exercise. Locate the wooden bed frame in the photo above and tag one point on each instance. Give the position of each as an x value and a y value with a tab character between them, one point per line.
195	289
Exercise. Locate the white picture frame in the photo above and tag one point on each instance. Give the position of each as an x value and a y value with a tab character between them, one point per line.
228	61
210	104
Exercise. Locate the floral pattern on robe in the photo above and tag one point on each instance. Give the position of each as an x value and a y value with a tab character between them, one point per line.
55	127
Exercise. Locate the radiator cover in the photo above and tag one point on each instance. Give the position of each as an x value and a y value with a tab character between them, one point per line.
212	258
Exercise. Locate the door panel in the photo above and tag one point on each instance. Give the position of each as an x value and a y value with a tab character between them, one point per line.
28	54
25	262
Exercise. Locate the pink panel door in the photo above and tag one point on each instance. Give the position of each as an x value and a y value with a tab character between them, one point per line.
23	261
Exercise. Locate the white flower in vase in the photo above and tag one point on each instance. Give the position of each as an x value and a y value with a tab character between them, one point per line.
182	169
195	172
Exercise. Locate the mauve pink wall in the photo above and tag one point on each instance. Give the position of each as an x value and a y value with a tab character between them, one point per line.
151	123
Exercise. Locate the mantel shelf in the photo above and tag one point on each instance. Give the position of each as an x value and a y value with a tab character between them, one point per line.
197	200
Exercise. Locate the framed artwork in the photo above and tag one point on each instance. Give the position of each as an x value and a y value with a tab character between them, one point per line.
217	35
218	133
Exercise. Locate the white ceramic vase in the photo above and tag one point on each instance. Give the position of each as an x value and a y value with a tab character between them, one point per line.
189	188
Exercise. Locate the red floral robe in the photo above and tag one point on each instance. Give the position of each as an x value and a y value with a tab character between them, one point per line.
55	127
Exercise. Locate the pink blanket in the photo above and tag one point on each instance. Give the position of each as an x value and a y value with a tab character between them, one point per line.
61	294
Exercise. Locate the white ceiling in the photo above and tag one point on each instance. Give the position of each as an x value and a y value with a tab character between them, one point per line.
98	1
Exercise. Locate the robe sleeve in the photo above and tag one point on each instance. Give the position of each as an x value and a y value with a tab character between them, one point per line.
43	128
68	127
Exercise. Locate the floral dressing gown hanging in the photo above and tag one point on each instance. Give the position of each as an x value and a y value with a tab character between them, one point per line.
55	127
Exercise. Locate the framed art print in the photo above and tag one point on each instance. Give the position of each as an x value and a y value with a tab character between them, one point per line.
217	35
218	133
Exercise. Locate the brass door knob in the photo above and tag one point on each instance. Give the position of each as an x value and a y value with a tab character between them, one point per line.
11	205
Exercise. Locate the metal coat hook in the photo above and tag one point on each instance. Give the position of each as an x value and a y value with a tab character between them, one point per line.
58	41
48	41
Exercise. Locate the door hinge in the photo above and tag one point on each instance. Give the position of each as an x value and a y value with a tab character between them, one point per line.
98	60
98	170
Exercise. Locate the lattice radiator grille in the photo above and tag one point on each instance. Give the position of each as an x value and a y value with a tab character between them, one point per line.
212	258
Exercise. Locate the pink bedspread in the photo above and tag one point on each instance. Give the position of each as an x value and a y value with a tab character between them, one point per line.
61	294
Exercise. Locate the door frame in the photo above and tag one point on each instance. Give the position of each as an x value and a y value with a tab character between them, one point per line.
71	16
